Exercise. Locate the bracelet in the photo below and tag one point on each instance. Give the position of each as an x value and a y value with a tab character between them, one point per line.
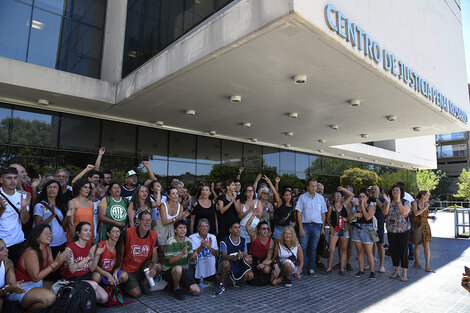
50	265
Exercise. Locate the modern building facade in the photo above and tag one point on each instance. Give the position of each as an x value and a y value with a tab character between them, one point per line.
296	86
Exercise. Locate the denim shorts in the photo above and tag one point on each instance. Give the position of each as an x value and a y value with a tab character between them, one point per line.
26	286
343	233
362	235
278	231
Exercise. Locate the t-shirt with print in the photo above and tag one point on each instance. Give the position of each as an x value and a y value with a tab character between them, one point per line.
173	248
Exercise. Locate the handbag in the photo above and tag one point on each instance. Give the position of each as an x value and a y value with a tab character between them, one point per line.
416	234
293	258
323	248
115	297
371	232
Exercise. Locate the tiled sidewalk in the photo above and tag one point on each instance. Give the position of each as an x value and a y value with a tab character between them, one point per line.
424	292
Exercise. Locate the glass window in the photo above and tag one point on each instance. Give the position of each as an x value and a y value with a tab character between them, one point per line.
5	116
44	39
182	147
15	21
34	160
86	40
231	153
208	150
34	129
332	166
203	170
4	156
81	66
159	167
252	156
153	142
56	6
301	162
315	164
119	137
183	171
271	157
79	132
91	12
287	161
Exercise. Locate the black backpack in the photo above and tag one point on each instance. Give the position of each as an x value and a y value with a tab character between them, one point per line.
76	297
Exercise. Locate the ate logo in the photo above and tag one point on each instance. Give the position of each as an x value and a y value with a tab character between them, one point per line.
117	212
138	250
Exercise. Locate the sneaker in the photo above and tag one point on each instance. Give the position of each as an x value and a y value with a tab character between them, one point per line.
382	269
312	273
359	274
349	267
178	294
220	289
288	283
366	267
372	275
234	282
336	267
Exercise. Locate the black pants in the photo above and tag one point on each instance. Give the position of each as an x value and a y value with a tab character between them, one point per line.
399	248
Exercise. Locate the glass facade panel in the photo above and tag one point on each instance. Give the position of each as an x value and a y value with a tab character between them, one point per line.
252	156
182	147
34	129
452	151
203	170
232	153
159	167
287	161
152	142
271	157
5	122
208	150
314	165
79	133
56	6
33	159
15	21
183	171
332	166
119	138
452	136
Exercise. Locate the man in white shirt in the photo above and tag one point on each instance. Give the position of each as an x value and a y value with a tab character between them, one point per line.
14	211
205	245
311	218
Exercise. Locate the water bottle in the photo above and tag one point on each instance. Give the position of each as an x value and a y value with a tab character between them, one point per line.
149	279
201	283
354	211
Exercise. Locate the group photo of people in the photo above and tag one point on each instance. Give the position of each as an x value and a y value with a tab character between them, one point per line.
134	237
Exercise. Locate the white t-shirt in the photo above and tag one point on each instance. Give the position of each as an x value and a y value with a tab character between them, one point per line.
59	236
205	263
10	222
408	197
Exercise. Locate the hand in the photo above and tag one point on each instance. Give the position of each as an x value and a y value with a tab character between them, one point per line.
16	288
116	278
186	214
239	255
234	195
121	224
63	256
99	250
205	243
277	180
3	204
302	233
110	279
261	266
25	202
152	271
323	231
297	275
212	185
35	182
266	178
465	282
102	150
185	249
386	198
240	170
194	256
258	177
89	167
340	188
146	163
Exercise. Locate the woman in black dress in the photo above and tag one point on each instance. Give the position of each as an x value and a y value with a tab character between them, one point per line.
228	209
204	208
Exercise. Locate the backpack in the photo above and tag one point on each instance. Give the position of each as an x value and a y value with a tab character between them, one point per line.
75	297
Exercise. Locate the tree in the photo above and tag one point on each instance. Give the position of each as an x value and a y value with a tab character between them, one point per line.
464	185
442	189
358	178
428	179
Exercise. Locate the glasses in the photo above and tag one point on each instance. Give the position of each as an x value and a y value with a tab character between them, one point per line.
265	228
265	193
249	190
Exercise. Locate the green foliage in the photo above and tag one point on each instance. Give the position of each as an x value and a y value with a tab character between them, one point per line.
388	179
428	179
464	185
442	189
358	178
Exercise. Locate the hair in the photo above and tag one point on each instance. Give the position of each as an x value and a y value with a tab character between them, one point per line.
233	223
62	170
59	202
294	237
402	191
102	173
111	184
258	227
9	170
178	223
78	185
135	198
203	220
261	190
119	245
176	183
93	172
32	241
243	197
171	188
364	191
283	193
152	184
141	214
199	190
228	182
311	180
78	229
421	193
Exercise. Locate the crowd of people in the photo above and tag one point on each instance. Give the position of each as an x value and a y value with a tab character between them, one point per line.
108	234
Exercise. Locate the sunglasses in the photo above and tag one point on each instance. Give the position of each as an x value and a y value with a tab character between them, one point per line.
265	228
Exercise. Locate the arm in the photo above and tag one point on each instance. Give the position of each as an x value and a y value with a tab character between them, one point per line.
249	230
38	219
323	219
177	257
255	184
89	167
369	214
328	219
31	264
214	194
223	208
348	193
12	286
274	189
300	257
299	209
240	171
131	214
70	218
404	209
417	211
24	213
95	253
152	176
269	255
191	225
386	205
216	223
99	157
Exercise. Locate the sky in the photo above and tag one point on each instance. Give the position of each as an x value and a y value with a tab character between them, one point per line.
466	33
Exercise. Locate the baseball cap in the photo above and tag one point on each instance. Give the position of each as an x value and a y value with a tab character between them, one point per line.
130	173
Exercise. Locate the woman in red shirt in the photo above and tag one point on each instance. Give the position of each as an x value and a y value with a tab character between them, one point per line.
34	264
82	260
109	269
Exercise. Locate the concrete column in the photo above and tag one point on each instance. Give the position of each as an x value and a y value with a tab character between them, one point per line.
113	41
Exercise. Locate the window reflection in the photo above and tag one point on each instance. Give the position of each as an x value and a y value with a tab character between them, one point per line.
271	158
182	147
34	129
153	142
208	150
119	137
5	120
252	156
15	20
287	161
183	171
78	132
56	6
232	153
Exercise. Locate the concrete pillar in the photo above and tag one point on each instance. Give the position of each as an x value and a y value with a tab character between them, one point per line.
113	41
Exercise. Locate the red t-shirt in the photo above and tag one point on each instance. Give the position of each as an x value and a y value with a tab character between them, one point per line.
107	259
138	250
78	255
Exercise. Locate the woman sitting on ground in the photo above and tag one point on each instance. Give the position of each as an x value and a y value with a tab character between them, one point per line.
261	246
35	263
8	284
109	269
291	258
82	260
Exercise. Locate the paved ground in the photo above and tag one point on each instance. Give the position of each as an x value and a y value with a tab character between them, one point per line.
424	292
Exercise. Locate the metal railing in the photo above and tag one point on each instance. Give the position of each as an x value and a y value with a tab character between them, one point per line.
462	223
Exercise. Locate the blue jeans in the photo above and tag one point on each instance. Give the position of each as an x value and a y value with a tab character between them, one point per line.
310	241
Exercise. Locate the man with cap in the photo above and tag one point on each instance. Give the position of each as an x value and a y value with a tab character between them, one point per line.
131	183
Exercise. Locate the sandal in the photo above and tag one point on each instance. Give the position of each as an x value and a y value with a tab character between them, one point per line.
428	269
404	279
417	265
394	275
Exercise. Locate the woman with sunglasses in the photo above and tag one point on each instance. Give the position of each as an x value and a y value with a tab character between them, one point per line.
261	246
250	209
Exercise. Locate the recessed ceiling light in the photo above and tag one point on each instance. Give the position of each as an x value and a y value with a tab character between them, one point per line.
300	79
43	101
364	135
287	145
354	103
289	134
321	141
293	115
254	139
391	118
236	99
359	158
375	161
320	150
391	163
402	165
190	112
334	126
341	154
212	132
159	123
417	129
246	124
